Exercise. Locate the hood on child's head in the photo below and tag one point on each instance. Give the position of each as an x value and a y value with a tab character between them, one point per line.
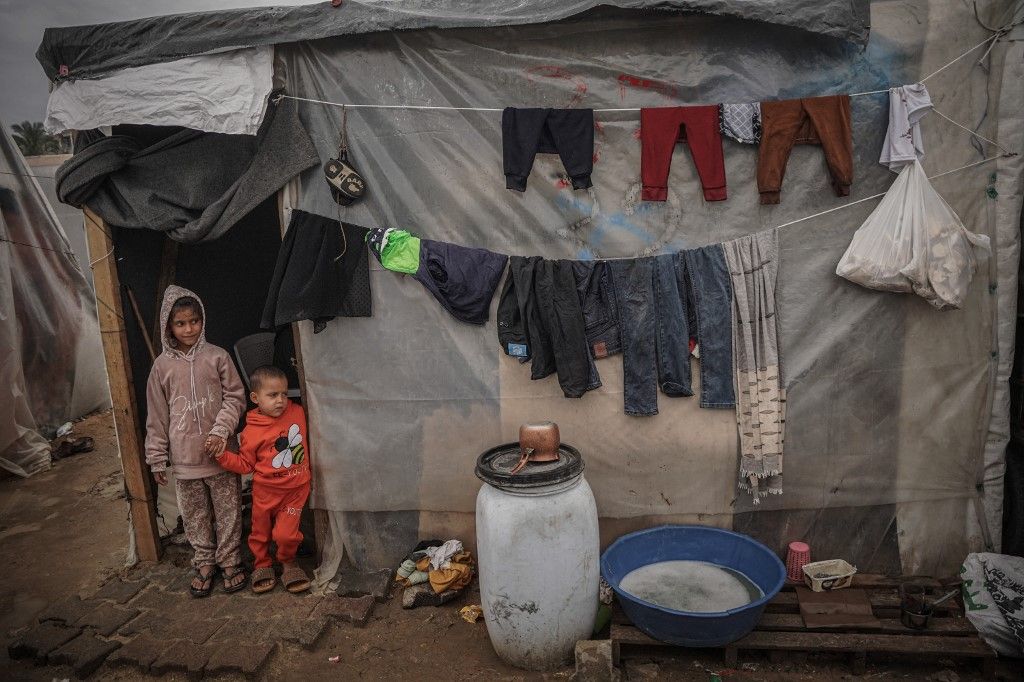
172	294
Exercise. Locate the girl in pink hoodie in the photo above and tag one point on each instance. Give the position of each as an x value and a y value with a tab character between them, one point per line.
194	399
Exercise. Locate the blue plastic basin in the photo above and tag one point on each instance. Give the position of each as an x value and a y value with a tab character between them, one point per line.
693	543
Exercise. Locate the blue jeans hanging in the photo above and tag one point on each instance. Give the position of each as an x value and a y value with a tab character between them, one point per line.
662	302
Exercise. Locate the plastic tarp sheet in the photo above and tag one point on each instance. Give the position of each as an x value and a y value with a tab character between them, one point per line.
218	93
48	326
889	399
92	51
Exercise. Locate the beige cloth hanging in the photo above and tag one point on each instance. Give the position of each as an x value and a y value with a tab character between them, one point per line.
753	264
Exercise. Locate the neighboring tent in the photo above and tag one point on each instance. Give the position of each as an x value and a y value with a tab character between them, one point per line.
897	413
51	358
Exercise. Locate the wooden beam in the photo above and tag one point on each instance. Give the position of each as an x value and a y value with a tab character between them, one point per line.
119	377
321	520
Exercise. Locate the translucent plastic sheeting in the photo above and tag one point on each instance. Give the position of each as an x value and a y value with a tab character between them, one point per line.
92	51
47	322
90	391
889	399
217	93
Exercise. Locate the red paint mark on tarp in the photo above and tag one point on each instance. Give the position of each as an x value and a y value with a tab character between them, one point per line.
550	71
668	90
636	133
562	183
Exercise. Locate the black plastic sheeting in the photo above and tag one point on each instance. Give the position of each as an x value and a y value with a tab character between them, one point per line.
92	51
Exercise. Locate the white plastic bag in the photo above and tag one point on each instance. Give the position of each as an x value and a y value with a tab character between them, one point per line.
993	591
914	242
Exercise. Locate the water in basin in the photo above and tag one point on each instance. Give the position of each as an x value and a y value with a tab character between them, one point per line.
695	586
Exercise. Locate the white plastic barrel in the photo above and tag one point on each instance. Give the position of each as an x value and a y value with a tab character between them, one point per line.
539	550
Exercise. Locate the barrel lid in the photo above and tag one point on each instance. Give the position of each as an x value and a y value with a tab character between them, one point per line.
493	467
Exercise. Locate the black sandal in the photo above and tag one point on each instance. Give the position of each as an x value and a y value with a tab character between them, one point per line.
207	583
240	585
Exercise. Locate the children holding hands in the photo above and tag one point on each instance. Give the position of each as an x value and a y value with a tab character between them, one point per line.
195	399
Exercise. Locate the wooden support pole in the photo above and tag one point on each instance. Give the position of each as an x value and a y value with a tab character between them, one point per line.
122	395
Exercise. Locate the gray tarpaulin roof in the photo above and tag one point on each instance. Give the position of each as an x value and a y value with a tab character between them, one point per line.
91	51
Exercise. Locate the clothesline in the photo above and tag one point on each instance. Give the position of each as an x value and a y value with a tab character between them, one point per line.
35	246
420	107
882	194
847	205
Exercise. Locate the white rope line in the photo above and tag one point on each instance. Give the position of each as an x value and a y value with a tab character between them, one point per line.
420	107
381	106
949	64
988	40
973	132
831	210
103	257
882	194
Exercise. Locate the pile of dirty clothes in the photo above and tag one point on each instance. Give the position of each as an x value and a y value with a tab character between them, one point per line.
434	573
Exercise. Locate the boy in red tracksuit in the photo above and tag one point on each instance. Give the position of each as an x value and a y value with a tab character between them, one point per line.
272	446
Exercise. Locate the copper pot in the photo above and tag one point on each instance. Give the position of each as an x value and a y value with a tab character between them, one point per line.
538	442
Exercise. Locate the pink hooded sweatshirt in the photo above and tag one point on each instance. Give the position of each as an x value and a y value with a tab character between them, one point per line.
190	396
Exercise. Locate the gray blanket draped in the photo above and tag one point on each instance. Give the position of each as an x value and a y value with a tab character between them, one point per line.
191	185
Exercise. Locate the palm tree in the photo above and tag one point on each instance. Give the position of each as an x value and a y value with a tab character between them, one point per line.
33	140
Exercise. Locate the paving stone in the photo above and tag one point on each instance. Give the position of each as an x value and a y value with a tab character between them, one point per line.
40	640
247	659
181	656
107	618
354	610
139	652
594	662
196	631
357	583
180	583
241	630
308	632
281	602
84	654
149	622
68	610
227	605
160	575
160	601
119	591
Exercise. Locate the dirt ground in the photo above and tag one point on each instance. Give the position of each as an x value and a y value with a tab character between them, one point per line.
64	532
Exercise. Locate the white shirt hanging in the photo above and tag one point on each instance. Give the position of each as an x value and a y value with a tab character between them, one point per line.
908	104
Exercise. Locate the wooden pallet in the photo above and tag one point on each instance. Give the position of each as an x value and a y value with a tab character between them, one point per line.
781	631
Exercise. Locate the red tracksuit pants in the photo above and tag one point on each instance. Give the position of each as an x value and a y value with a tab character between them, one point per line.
661	128
275	515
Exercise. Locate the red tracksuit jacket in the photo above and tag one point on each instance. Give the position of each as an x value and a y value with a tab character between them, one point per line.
275	451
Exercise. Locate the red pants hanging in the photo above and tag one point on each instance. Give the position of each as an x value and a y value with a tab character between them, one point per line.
275	514
661	128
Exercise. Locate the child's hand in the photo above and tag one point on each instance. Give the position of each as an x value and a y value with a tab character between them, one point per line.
214	446
160	477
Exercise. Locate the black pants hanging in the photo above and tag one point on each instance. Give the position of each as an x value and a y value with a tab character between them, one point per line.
566	132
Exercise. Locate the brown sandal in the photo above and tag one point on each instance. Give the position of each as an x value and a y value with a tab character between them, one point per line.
294	579
263	579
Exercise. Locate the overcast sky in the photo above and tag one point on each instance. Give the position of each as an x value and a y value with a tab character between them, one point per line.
23	87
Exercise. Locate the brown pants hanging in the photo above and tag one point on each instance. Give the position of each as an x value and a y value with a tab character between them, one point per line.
813	120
